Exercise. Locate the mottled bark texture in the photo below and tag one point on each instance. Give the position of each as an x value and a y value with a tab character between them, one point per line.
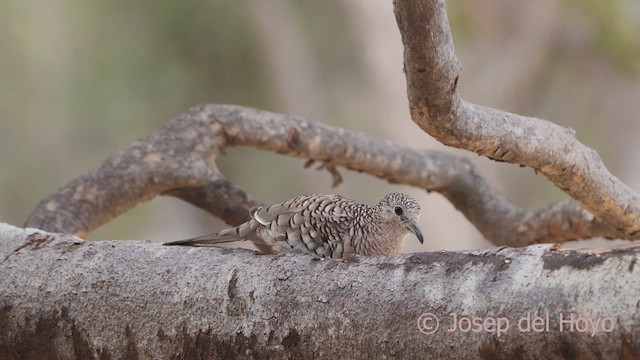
64	298
432	70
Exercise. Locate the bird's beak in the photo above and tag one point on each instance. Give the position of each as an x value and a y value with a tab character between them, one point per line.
413	227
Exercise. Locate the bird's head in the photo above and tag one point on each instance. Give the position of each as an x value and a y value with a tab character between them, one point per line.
402	212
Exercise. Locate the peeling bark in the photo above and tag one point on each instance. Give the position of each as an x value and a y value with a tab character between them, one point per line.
62	297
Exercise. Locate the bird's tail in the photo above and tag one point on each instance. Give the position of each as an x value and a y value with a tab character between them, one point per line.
238	233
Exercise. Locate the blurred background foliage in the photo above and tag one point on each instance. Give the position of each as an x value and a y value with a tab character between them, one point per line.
80	80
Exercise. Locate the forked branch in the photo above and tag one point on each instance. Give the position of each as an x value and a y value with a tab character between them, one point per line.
176	160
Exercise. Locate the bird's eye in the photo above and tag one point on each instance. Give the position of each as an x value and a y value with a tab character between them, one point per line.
398	210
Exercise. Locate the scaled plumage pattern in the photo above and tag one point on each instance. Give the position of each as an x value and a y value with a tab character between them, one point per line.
327	226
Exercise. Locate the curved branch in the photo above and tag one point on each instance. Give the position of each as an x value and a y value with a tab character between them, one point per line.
175	161
432	71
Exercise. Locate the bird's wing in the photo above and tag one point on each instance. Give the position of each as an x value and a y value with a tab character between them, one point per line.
314	223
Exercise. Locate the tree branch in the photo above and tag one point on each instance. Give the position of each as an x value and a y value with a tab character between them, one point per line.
220	198
175	160
61	297
432	70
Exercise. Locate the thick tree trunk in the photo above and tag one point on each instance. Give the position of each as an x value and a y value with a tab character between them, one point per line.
62	297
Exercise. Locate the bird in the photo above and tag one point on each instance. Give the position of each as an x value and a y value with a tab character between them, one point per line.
327	226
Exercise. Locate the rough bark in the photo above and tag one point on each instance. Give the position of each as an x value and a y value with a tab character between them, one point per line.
176	160
62	297
432	70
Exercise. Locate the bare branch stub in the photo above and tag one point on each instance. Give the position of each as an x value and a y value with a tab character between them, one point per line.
432	71
175	161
